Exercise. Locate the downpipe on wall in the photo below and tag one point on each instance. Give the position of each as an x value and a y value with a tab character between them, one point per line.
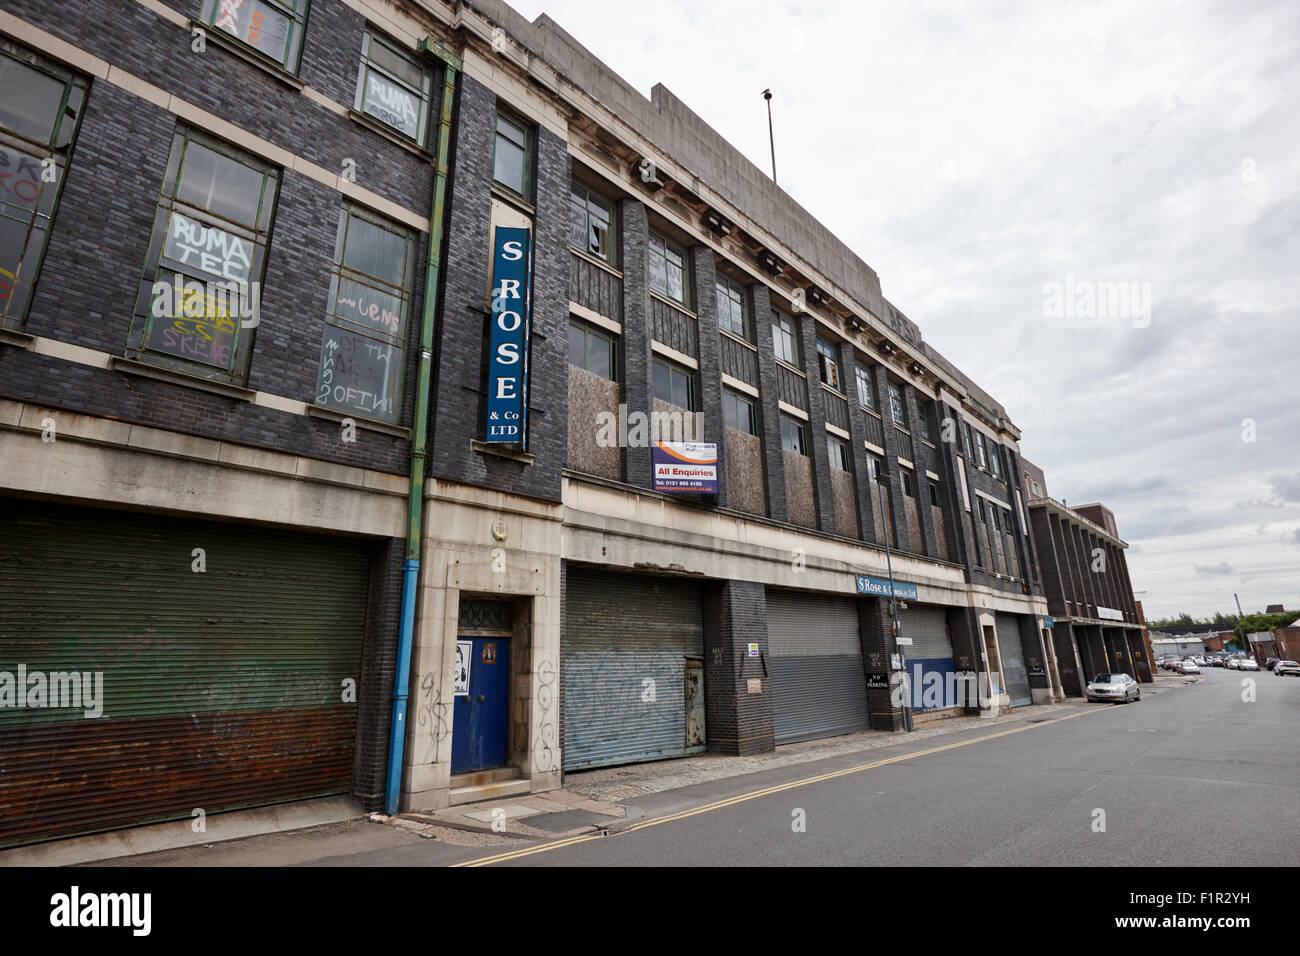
419	438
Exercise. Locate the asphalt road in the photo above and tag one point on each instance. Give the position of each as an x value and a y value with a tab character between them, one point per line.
1193	775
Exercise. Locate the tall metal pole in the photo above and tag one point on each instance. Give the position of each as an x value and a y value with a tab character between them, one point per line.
1241	629
893	610
767	95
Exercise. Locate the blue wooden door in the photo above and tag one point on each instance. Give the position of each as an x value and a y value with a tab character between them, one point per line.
479	725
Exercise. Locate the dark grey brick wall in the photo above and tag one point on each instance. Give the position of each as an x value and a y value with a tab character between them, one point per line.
878	644
868	503
635	357
86	291
739	723
709	403
378	666
930	544
769	416
895	477
130	36
816	426
462	336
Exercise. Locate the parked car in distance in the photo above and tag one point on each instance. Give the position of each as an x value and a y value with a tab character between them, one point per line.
1268	664
1188	667
1286	669
1231	663
1115	688
1248	665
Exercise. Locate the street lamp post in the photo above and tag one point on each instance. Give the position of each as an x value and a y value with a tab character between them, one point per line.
1241	628
893	611
771	138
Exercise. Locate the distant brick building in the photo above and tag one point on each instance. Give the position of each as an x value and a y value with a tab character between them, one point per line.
1098	627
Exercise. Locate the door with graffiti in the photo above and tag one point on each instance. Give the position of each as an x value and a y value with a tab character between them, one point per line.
694	703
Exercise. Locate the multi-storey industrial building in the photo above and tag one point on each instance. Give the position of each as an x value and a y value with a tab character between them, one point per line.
1097	625
270	265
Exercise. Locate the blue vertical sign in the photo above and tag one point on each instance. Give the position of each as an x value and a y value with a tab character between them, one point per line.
512	274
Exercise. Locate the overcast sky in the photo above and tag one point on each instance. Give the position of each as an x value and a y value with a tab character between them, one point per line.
975	156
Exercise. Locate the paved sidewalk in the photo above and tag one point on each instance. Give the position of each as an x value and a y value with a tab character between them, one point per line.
531	816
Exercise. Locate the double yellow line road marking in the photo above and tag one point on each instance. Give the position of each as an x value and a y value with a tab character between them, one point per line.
755	794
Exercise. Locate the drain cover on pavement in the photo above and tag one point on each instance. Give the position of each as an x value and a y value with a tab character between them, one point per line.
568	820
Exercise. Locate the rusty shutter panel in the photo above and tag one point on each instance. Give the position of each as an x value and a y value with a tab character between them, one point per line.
818	685
221	689
621	631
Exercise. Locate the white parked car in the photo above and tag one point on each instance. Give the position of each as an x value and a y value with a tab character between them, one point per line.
1248	665
1188	667
1115	688
1286	669
1231	663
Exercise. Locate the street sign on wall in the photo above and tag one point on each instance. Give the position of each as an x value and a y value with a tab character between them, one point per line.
685	466
880	586
507	398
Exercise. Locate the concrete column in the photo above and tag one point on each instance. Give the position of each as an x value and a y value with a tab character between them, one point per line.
955	515
817	425
928	533
1031	639
878	645
634	358
768	409
903	542
710	375
867	503
738	715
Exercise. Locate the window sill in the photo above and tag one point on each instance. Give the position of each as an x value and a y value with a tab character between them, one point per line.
185	379
17	339
671	303
366	424
790	368
397	139
595	261
513	199
738	339
501	451
228	43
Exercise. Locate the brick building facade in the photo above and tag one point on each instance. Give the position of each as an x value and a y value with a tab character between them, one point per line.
596	619
1097	625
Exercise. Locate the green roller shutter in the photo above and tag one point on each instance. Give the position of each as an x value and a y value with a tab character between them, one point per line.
623	666
221	689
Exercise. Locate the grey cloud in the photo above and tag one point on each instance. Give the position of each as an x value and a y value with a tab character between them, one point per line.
1223	567
1286	487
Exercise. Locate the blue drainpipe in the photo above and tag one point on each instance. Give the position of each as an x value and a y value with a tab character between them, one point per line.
419	437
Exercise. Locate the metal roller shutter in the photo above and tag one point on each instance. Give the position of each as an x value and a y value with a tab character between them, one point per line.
817	681
220	690
626	640
929	657
1013	660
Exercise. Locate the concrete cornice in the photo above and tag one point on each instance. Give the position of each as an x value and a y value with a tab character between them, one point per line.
1055	507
